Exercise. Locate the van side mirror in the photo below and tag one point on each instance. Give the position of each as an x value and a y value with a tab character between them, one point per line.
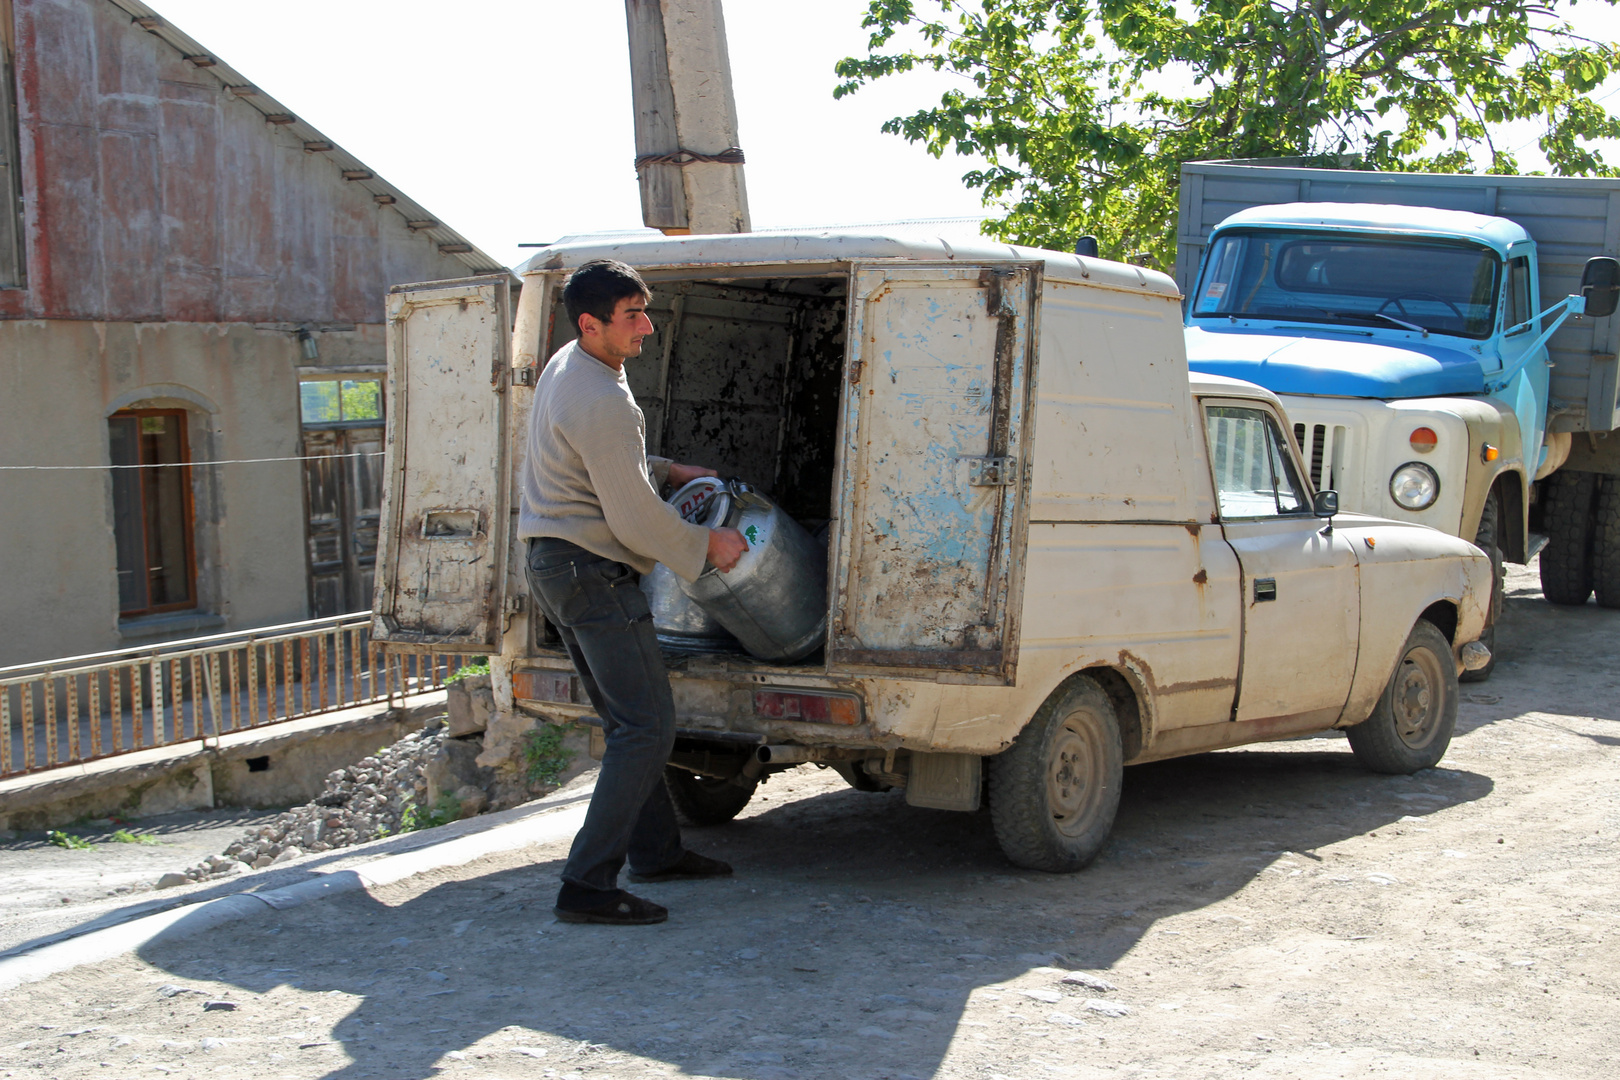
1600	285
1326	504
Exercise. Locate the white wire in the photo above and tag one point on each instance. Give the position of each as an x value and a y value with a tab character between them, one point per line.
186	464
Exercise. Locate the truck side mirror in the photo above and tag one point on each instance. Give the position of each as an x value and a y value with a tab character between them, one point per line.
1600	285
1326	504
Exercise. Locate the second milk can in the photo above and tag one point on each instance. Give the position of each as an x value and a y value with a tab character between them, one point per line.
774	601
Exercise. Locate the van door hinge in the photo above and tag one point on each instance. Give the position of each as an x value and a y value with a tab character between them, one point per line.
992	471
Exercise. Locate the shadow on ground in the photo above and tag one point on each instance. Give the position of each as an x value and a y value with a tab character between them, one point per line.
846	945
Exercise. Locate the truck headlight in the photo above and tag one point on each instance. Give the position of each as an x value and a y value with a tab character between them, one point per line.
1414	486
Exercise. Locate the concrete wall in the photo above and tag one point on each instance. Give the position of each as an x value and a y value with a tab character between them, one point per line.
59	381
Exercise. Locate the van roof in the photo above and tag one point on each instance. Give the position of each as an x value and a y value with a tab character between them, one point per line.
832	246
1224	386
1495	232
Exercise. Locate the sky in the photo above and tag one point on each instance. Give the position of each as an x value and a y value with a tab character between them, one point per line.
511	120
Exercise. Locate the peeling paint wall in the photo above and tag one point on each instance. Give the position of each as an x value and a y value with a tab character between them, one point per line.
153	193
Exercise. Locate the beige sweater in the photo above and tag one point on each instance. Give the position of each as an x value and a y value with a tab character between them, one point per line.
587	478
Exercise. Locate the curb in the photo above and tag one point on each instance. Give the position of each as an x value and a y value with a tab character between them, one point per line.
545	824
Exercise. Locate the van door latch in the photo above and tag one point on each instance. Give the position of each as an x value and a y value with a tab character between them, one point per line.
992	471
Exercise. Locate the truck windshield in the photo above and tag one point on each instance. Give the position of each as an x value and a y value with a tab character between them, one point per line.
1447	288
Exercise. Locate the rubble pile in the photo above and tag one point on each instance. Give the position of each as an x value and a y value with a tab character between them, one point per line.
361	802
473	762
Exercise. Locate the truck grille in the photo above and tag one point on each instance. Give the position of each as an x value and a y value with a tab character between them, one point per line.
1323	446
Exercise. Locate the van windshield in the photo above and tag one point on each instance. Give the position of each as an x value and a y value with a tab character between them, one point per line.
1434	285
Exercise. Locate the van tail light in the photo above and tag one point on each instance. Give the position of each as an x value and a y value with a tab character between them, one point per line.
542	686
811	708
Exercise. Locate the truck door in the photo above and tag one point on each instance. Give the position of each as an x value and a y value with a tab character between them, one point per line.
931	502
442	550
1301	594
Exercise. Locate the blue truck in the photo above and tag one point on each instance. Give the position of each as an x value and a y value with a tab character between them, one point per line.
1444	346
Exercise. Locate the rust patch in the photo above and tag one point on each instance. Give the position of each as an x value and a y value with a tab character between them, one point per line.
1202	577
1193	529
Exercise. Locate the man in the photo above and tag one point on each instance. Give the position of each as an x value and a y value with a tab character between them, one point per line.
595	523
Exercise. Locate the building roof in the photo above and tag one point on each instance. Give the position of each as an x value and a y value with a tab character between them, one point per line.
417	218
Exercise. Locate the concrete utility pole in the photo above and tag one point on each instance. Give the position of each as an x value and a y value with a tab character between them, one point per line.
687	152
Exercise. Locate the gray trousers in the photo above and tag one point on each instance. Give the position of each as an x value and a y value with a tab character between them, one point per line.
601	614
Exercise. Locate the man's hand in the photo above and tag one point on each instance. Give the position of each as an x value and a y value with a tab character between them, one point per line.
684	474
726	546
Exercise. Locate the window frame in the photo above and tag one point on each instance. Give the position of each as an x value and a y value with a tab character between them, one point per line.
13	248
340	377
1515	264
188	511
1278	438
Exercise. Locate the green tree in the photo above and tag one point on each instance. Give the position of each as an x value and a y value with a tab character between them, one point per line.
1084	110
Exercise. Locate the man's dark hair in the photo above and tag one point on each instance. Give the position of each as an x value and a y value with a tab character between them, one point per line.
597	287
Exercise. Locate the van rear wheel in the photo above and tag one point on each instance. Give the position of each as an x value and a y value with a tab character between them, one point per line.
1054	792
1411	725
704	800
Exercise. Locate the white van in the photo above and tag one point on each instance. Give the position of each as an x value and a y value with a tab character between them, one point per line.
1051	554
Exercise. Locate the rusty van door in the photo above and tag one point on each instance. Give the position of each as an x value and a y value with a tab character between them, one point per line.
442	550
932	494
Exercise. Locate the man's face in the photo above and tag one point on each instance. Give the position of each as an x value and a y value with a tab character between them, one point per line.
619	338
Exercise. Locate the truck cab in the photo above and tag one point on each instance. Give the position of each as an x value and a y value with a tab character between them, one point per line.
1430	375
1051	552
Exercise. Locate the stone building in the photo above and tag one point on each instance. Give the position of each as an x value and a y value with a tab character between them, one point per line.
192	281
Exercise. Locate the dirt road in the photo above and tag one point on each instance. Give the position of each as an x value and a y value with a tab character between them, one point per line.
1271	913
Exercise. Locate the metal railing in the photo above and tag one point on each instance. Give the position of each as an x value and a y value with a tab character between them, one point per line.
81	708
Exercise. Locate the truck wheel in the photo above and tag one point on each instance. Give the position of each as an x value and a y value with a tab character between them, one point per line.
1054	792
1566	561
1489	540
1411	725
703	800
1606	542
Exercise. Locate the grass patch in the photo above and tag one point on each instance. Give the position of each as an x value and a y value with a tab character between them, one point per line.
544	757
479	666
124	836
443	812
67	840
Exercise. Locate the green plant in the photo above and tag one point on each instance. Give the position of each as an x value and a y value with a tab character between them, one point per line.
1082	113
67	840
479	666
544	756
443	812
124	836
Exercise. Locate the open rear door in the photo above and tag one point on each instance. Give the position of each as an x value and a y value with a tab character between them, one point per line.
442	549
932	493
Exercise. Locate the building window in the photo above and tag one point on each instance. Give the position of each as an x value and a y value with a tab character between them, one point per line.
152	515
332	401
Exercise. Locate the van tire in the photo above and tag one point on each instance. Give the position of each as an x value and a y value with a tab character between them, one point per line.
703	800
1054	792
1488	538
1411	725
1566	561
1606	542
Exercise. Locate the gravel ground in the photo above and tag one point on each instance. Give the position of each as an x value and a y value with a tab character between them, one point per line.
1271	912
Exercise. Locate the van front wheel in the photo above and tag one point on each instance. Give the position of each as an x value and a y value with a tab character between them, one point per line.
1054	792
1411	725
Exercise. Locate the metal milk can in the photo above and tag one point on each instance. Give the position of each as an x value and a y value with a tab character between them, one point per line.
774	601
681	625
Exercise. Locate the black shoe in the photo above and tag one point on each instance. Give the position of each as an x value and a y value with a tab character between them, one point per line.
617	908
690	867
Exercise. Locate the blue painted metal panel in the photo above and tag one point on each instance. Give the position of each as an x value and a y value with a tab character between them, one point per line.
1334	366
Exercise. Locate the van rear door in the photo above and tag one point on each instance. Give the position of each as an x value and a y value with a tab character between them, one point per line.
932	495
442	552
